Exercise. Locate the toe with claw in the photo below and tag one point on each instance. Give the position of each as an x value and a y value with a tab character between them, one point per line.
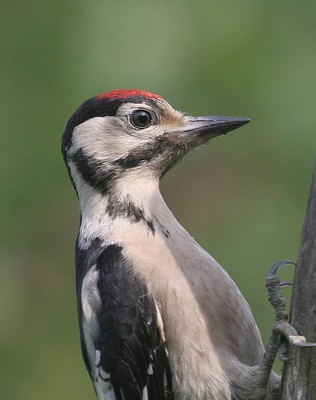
282	326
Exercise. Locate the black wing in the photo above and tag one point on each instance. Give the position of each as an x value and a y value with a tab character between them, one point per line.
132	358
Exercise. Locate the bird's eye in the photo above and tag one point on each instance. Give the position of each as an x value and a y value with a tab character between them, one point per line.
141	118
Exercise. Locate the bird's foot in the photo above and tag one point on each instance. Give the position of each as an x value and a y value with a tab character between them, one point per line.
283	330
283	334
275	295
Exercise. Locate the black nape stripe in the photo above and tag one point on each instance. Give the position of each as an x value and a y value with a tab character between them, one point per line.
127	209
164	231
94	172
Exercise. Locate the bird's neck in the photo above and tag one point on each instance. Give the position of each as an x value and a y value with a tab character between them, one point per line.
132	200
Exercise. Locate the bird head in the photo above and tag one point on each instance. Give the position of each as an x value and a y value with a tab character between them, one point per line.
131	131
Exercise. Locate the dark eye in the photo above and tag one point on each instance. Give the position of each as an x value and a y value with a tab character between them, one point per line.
141	118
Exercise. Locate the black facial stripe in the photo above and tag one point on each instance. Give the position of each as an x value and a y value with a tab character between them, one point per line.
101	177
93	172
154	149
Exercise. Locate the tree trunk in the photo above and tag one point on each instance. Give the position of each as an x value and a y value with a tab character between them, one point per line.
299	375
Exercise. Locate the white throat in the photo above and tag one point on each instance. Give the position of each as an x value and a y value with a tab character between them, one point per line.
102	213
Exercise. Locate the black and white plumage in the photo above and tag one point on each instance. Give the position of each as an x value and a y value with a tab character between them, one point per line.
159	318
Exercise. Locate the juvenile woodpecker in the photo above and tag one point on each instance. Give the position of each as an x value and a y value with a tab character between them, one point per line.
159	317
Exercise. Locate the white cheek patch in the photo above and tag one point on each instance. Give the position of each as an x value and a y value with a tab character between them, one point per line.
86	135
103	138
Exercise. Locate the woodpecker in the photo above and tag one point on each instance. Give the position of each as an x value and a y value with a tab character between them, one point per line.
159	317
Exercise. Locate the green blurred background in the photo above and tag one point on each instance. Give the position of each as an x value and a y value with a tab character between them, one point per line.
243	196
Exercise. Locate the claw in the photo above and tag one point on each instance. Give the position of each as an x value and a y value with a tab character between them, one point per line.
290	333
285	283
273	284
284	355
283	332
300	341
275	267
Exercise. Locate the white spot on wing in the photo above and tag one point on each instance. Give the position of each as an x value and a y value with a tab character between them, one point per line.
91	304
150	369
111	395
145	393
103	374
107	394
165	380
102	382
97	357
90	299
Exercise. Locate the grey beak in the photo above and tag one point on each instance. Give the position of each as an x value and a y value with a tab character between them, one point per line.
214	126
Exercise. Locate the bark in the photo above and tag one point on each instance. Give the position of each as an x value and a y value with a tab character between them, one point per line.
299	375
